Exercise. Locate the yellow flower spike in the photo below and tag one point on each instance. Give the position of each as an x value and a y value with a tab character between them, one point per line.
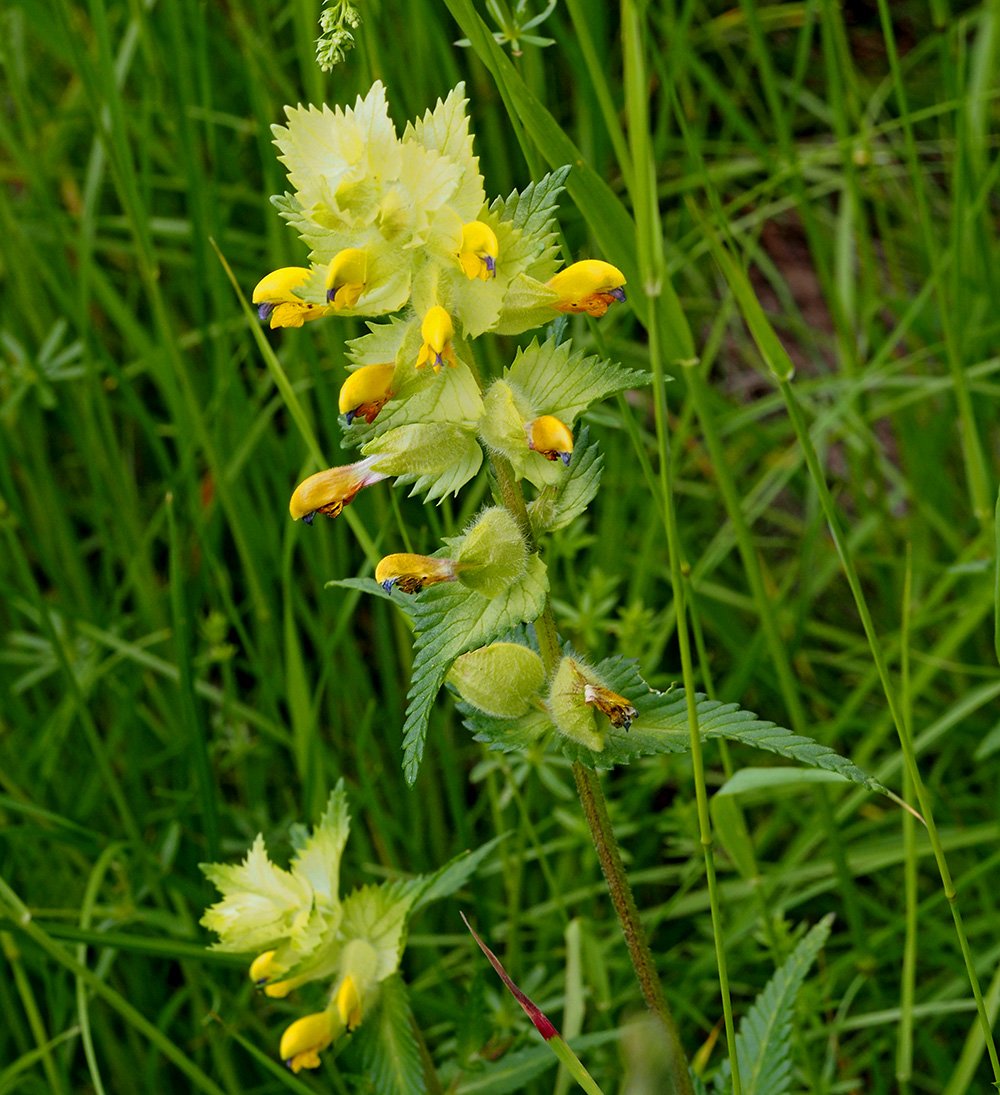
589	286
327	492
306	1038
617	708
437	331
346	278
366	391
550	438
347	1000
410	573
479	250
278	303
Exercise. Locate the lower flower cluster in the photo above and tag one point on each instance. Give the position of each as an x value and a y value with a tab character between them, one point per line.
302	931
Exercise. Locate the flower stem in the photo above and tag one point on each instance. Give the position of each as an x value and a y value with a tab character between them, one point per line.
595	811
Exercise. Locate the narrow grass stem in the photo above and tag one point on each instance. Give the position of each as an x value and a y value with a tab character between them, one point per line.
905	739
655	285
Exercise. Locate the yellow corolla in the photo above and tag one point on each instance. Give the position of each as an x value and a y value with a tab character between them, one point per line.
266	975
306	1038
410	573
278	303
366	391
550	438
346	278
479	250
437	331
347	1001
327	492
589	286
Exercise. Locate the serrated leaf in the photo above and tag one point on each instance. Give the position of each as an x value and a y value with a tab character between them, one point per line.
763	1046
387	1047
453	875
437	458
445	130
661	726
533	247
450	620
557	506
558	381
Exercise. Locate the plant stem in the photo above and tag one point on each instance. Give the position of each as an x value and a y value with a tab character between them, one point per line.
595	811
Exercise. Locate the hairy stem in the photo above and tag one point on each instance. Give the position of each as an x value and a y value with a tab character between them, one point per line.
595	810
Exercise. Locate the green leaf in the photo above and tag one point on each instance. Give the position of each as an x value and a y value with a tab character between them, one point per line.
451	619
452	876
437	458
661	726
532	214
516	1070
557	506
558	381
387	1046
763	1046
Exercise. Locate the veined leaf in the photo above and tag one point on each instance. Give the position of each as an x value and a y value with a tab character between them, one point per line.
661	726
387	1047
762	1042
452	876
437	458
532	214
556	380
451	619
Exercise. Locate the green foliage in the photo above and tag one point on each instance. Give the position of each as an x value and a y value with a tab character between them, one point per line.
660	726
763	1041
387	1048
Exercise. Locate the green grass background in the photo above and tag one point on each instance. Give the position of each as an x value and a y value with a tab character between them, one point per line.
174	677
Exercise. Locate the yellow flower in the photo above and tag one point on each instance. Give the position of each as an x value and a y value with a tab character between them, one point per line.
550	438
266	975
306	1038
346	278
437	332
278	303
410	573
327	492
589	286
347	1000
366	391
479	250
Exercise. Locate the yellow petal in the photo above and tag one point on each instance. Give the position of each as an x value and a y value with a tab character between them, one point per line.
306	1038
327	492
410	573
478	251
437	331
277	302
348	1003
550	438
346	278
590	286
366	391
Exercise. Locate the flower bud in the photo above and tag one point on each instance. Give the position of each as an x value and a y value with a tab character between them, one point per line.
492	555
502	679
